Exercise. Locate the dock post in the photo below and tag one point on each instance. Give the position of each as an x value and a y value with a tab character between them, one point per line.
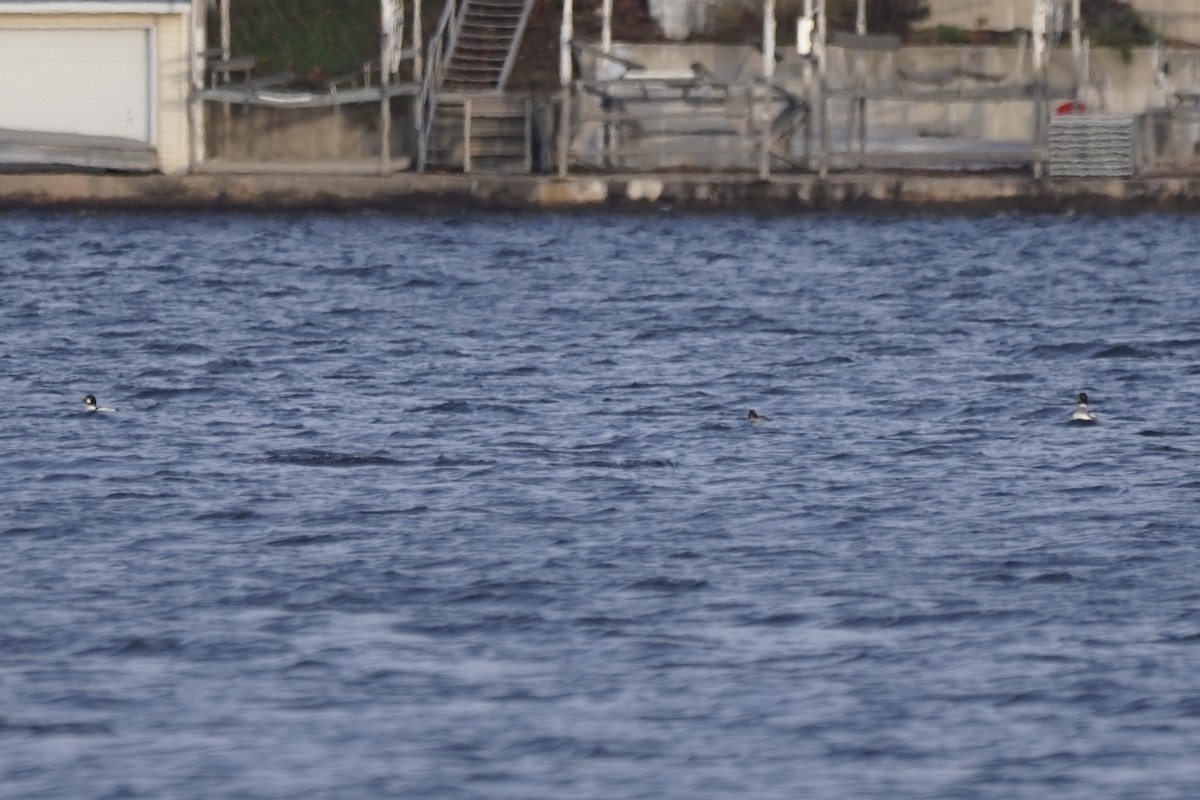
199	65
387	28
565	73
768	74
1040	111
822	101
466	133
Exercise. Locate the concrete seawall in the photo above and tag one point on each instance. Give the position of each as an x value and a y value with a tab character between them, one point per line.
412	193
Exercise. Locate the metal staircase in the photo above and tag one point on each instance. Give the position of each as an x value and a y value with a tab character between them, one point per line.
466	122
482	133
489	35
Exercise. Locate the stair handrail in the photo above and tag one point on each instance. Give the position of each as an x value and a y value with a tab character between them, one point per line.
441	47
514	46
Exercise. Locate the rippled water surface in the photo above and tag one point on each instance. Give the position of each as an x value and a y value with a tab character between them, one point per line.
468	507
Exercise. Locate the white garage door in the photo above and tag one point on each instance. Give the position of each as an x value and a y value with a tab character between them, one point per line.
88	82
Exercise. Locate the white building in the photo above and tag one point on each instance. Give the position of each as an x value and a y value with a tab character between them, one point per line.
96	83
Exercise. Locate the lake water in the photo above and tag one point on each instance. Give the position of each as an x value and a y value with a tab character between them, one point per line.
468	507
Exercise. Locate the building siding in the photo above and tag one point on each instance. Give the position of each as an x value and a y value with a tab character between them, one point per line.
173	86
171	81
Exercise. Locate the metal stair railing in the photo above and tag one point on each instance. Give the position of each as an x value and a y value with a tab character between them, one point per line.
454	32
489	40
441	47
491	129
515	46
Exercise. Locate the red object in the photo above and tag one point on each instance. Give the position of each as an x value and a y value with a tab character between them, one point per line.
1070	107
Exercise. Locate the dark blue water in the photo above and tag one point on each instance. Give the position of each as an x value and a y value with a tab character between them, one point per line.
468	507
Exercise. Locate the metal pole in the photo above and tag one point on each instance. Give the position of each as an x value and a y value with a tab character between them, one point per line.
226	109
387	28
1077	49
822	100
860	105
768	68
225	32
604	71
804	46
565	35
195	106
385	131
1038	30
467	134
417	44
419	80
606	26
528	133
768	40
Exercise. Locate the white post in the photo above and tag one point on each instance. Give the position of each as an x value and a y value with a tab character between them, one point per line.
226	109
418	43
196	106
604	69
565	35
1041	123
606	26
804	30
1077	49
822	102
768	68
225	31
860	104
768	40
804	46
388	62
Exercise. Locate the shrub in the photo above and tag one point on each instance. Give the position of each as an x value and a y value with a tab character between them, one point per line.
1112	23
313	38
942	34
883	16
741	20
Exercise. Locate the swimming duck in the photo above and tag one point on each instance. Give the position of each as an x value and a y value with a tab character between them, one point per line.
754	416
1081	413
90	402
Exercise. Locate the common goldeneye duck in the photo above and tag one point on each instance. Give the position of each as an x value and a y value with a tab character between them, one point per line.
1081	413
754	416
90	402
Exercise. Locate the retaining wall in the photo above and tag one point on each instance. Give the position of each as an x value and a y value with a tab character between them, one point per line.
890	193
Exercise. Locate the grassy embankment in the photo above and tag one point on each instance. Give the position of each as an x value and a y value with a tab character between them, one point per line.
315	39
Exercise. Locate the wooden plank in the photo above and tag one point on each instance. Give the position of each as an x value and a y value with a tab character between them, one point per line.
239	64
